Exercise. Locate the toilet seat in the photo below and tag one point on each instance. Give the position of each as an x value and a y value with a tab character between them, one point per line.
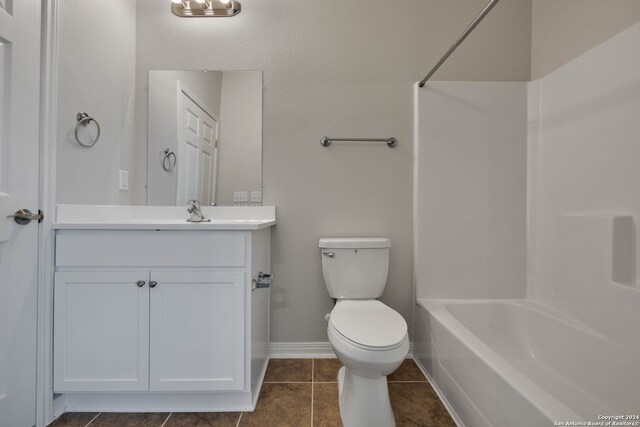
355	345
368	324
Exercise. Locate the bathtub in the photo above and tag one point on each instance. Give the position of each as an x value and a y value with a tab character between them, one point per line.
518	362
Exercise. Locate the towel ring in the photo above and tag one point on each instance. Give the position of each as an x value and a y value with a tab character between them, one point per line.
167	164
84	119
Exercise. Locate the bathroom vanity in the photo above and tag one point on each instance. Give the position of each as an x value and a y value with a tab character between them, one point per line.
153	313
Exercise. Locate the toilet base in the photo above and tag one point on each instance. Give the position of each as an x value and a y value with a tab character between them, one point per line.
364	402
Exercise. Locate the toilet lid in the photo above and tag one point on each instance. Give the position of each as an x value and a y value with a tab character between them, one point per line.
369	323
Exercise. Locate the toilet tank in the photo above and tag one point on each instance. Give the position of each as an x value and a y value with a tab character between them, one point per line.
355	268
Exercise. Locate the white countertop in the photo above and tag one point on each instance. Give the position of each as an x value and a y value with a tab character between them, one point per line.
114	217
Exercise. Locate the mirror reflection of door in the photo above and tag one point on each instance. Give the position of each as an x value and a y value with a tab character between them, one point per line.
204	136
197	156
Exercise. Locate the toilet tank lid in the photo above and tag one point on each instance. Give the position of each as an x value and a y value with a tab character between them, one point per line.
354	242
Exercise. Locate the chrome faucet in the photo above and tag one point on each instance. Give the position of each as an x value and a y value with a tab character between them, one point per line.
196	213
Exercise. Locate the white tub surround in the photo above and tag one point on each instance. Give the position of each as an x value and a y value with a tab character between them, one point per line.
112	217
563	343
152	313
470	190
586	188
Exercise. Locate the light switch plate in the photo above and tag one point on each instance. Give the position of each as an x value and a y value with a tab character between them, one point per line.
123	180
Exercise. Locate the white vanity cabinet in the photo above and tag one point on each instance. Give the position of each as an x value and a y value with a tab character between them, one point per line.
158	331
197	331
167	317
101	331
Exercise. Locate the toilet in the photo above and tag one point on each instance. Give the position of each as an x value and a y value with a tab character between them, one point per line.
369	338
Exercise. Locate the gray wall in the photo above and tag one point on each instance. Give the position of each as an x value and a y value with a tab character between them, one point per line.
564	29
96	74
330	68
338	69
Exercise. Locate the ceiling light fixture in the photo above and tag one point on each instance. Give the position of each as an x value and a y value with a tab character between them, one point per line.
205	8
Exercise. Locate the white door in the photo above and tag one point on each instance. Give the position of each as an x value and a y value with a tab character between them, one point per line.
197	150
197	331
19	145
101	329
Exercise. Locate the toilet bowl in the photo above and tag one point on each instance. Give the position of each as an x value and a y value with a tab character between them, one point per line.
369	352
368	337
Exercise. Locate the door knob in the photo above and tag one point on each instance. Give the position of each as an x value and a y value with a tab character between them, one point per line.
153	284
24	216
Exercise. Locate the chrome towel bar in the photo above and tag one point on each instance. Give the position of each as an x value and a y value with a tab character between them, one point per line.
326	141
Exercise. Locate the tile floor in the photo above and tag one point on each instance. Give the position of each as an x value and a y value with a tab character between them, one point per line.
295	393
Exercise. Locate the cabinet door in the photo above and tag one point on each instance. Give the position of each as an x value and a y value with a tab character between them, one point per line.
101	331
197	331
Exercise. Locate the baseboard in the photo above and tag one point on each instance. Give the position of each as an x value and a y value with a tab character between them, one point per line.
301	350
160	402
58	407
307	350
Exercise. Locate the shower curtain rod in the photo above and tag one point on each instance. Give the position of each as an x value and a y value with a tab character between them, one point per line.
458	42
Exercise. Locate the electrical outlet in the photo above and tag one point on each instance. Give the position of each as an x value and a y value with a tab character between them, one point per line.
256	197
123	182
240	196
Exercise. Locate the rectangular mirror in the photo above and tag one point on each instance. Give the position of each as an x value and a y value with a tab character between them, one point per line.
204	136
215	143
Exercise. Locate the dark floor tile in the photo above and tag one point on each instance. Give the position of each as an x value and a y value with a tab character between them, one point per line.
408	371
326	370
123	419
416	404
203	419
73	419
281	405
288	370
326	409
